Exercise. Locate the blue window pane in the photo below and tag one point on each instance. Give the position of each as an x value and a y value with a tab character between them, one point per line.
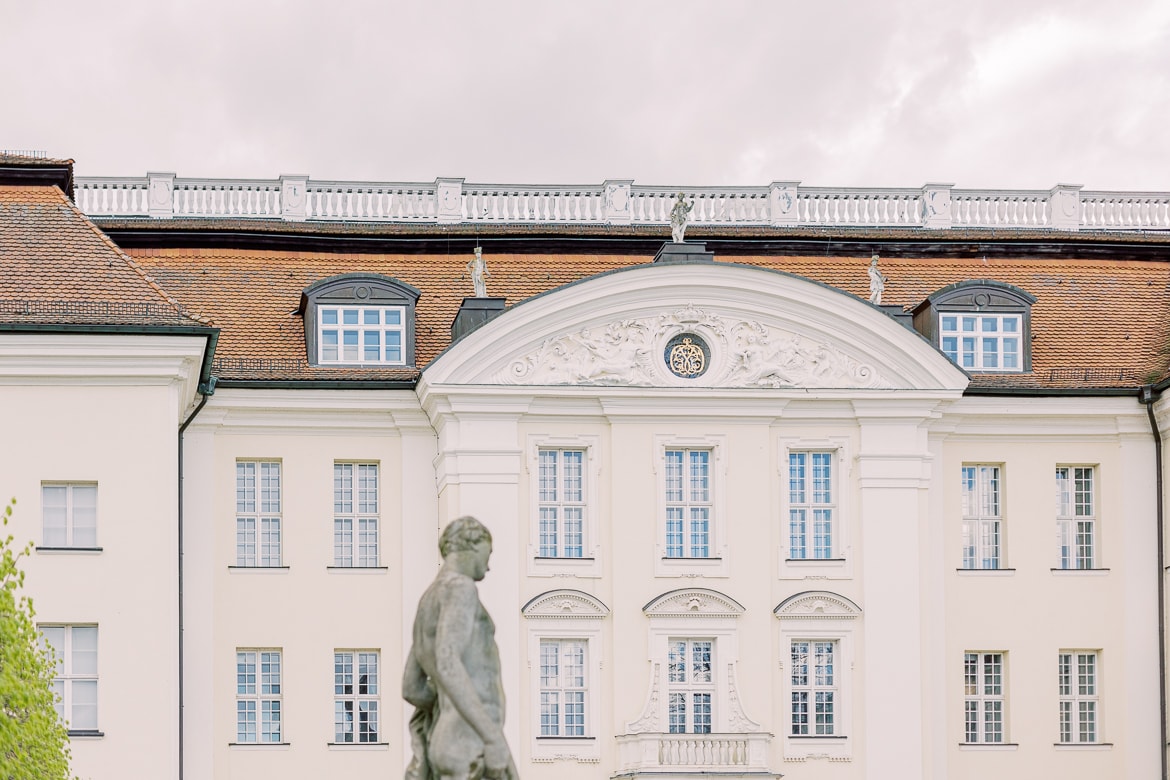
393	316
329	316
969	324
371	316
372	345
950	347
349	316
990	324
329	345
950	323
1011	324
991	353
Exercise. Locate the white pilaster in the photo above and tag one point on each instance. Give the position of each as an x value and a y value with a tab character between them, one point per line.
782	203
160	188
294	197
936	205
1064	207
617	201
449	200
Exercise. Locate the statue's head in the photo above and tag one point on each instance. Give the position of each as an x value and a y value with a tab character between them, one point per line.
463	533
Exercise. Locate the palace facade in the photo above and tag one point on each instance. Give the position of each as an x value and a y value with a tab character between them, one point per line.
852	484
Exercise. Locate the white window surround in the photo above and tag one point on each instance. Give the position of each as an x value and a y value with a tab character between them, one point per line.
819	616
989	342
840	566
589	564
716	564
566	615
354	335
69	516
694	613
74	649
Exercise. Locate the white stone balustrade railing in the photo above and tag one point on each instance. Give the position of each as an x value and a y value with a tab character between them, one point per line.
621	202
693	752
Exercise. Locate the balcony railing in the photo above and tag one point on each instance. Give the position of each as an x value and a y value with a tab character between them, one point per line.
621	202
693	752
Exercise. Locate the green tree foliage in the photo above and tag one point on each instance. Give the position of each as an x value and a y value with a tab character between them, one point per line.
33	743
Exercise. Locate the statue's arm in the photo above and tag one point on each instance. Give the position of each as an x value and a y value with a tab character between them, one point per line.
416	688
457	619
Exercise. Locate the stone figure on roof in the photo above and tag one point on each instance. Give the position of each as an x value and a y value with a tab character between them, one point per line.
477	268
679	214
877	281
452	674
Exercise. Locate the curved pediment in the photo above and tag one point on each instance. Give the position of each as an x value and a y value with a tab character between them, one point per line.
693	602
703	325
565	603
814	604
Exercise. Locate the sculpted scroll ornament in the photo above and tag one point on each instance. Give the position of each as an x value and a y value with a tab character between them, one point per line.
744	354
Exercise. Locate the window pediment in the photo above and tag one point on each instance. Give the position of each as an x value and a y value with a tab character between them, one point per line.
693	602
817	604
565	604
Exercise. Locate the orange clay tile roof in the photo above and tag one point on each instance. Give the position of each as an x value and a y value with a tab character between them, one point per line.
1096	323
57	267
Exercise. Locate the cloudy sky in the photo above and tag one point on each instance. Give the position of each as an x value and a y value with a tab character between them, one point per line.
986	93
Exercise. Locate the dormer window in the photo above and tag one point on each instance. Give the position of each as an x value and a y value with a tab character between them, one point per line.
983	326
361	320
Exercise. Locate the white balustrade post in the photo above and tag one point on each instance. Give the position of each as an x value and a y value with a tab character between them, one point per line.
160	189
617	201
1064	207
936	205
782	203
449	193
294	197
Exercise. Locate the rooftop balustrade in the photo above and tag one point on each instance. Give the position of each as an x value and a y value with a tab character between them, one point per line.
620	202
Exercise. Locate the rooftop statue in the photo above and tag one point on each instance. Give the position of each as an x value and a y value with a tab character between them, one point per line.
877	282
452	674
678	218
477	267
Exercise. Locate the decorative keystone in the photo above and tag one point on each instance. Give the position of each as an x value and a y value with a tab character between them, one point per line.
618	209
782	203
1064	207
294	197
449	200
936	205
160	188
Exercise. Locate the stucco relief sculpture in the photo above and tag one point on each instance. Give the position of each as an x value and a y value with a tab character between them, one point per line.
679	213
452	674
744	354
477	269
877	282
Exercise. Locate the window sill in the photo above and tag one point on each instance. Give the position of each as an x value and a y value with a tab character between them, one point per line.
984	573
1075	746
358	745
1080	572
561	559
358	570
577	740
259	745
86	734
268	569
812	561
989	746
681	559
816	737
68	550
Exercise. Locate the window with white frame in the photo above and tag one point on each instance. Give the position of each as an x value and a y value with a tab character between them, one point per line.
811	504
69	515
983	342
361	335
355	515
984	700
563	685
74	650
690	679
258	535
1076	517
356	696
814	688
688	503
1076	672
258	696
982	517
561	502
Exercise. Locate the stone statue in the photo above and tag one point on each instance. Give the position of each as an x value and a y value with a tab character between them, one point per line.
477	267
678	218
877	282
452	674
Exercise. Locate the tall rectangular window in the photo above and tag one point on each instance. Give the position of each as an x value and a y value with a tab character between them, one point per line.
69	515
361	334
688	503
983	342
1076	517
811	504
982	517
356	696
258	539
562	503
814	688
562	687
1076	672
258	696
355	514
74	650
691	685
983	697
